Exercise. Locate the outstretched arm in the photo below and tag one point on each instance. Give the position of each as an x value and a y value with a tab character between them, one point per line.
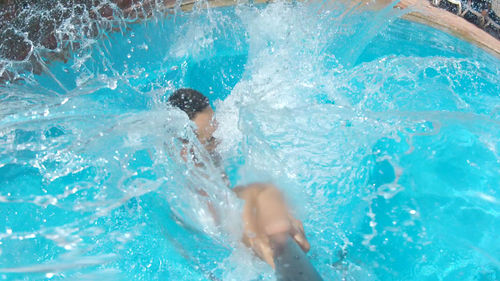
265	218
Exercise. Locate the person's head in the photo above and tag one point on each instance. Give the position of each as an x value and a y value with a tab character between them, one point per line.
198	109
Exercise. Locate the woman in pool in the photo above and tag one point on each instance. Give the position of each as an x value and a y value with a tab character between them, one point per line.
265	215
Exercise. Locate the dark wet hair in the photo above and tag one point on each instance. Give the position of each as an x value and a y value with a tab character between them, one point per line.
190	101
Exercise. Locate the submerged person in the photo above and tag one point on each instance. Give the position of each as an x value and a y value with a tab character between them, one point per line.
265	214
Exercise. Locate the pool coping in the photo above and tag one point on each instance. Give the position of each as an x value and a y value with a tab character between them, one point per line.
453	24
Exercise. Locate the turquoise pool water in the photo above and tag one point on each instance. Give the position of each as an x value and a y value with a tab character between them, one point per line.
384	135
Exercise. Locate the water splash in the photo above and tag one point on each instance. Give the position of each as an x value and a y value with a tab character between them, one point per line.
385	154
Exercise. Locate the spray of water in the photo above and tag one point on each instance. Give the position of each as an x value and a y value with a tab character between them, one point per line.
368	143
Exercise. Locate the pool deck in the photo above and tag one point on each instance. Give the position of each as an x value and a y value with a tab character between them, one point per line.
420	11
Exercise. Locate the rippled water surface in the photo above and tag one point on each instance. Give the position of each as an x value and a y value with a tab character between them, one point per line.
383	134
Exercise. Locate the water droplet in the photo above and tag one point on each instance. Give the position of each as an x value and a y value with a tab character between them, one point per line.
112	84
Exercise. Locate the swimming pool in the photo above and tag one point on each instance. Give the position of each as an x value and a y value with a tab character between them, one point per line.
383	133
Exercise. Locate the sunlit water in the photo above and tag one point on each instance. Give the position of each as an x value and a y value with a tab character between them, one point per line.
383	134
